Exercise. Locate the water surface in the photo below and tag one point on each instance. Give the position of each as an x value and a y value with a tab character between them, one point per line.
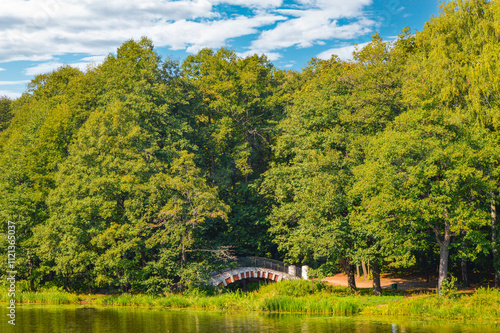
79	319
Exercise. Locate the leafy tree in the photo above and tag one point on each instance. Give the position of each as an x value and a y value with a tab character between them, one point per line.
484	89
5	112
374	80
110	185
420	174
235	103
308	181
191	201
323	137
31	150
454	67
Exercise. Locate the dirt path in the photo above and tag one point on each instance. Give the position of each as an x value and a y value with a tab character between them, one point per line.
385	282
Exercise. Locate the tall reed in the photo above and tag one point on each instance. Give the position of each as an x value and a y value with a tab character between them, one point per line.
49	296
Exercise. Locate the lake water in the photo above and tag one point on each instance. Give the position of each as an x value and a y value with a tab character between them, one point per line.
79	319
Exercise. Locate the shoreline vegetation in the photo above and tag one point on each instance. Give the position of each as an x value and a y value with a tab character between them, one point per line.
142	174
308	297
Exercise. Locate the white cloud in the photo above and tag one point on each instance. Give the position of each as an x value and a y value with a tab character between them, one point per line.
95	59
40	30
13	83
315	22
42	68
251	3
2	69
307	31
47	67
194	36
10	94
272	56
334	8
344	53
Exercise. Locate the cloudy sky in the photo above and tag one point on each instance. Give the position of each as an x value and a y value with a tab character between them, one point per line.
38	36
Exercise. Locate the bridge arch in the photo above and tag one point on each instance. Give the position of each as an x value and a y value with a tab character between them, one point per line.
255	268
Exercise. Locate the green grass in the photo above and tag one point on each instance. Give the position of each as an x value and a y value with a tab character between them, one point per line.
312	304
299	288
483	304
294	297
48	296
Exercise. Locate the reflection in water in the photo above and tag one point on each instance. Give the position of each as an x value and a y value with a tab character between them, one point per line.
71	319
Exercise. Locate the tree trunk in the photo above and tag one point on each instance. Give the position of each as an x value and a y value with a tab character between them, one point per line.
30	272
494	243
212	157
357	271
89	279
183	255
444	253
465	276
349	270
66	282
365	273
377	289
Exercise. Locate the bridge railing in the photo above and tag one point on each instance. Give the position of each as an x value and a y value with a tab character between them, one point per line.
257	262
266	263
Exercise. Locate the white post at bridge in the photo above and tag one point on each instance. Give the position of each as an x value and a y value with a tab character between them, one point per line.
305	270
292	270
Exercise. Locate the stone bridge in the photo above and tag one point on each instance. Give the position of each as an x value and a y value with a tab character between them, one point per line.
258	268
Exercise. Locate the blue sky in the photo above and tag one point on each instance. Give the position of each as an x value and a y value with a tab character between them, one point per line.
37	36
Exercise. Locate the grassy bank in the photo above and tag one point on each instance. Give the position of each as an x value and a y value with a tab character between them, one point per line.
483	304
295	297
48	296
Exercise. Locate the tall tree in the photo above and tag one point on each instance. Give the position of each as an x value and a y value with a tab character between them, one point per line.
5	112
110	186
32	149
454	67
322	138
236	103
375	81
421	174
307	183
191	201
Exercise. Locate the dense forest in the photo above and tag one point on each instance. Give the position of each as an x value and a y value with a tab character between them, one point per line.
144	175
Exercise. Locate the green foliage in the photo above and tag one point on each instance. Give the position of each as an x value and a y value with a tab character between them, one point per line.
5	112
324	270
306	183
140	175
299	288
448	288
323	138
32	148
235	103
97	170
484	304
